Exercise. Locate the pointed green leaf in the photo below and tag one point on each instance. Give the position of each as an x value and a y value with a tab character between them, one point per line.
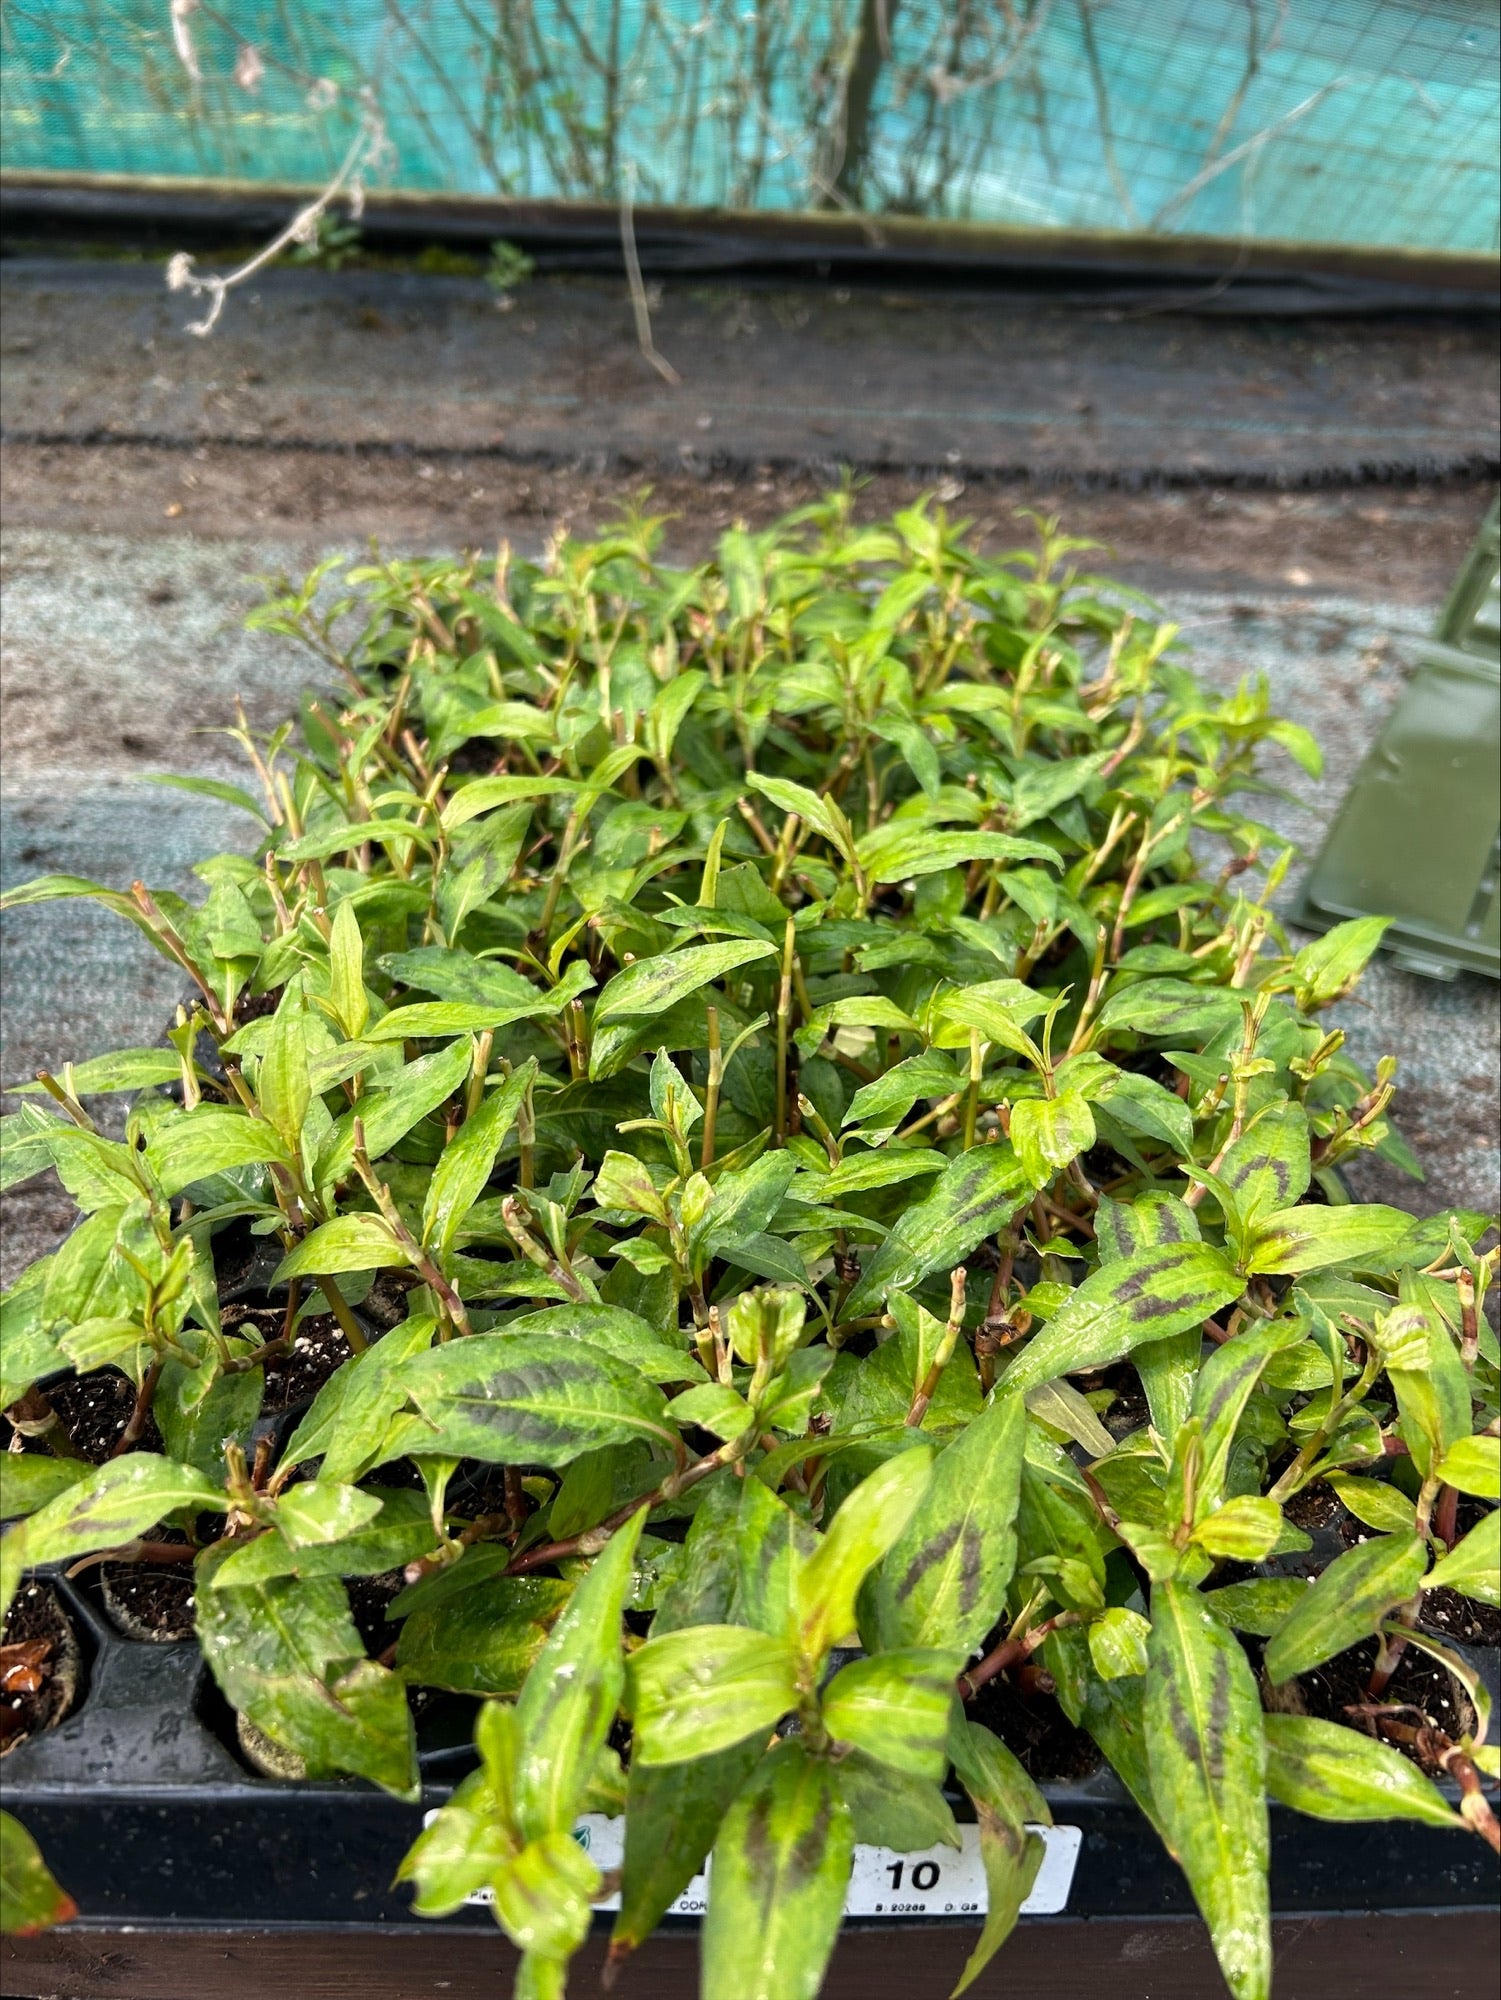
943	1582
1311	1238
30	1900
896	1707
525	1399
1207	1759
1143	1297
976	1195
1347	1603
288	1656
468	1160
356	1242
777	1884
1007	1805
571	1694
700	1689
114	1503
652	985
672	1814
1318	1768
1473	1565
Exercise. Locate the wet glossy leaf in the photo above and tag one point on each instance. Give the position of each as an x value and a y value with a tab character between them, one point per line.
896	1706
358	1242
781	1866
1347	1603
30	1900
976	1195
1341	1774
525	1398
1142	1297
943	1582
698	1690
115	1503
287	1654
571	1695
1207	1760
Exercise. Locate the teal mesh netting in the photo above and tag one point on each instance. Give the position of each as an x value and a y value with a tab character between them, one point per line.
1321	121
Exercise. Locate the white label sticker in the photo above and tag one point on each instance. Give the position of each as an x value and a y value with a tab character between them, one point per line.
935	1882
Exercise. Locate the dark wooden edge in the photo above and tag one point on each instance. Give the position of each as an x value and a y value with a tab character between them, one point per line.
1420	1956
687	235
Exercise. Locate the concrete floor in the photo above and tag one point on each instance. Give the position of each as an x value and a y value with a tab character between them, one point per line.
129	566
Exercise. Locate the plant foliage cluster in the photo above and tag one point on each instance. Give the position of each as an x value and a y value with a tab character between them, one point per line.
806	1041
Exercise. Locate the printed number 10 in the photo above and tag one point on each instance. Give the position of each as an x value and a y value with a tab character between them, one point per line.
924	1875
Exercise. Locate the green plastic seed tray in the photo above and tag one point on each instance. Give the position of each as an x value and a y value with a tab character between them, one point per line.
1416	838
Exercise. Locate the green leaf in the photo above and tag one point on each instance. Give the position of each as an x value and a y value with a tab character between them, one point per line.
346	973
1310	1238
206	1141
462	1017
820	813
896	1707
480	795
30	1900
1048	1132
1143	1297
890	1808
28	1481
351	1413
777	1885
868	1523
1225	1385
1332	963
125	1069
356	1242
1347	1603
625	1335
1143	1105
1374	1503
899	852
484	1639
388	1114
1259	1606
324	1510
1118	1643
287	1655
1473	1464
772	1544
468	1160
976	1195
1171	1007
652	985
212	788
1207	1759
400	1533
1007	1805
943	1581
114	1503
700	1689
543	1898
1318	1768
672	1814
525	1399
1244	1529
571	1694
1269	1168
283	1088
1473	1565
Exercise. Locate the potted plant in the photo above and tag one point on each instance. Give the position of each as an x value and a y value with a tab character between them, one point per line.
742	1231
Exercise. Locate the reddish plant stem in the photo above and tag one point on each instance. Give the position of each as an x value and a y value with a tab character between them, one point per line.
140	1412
1010	1653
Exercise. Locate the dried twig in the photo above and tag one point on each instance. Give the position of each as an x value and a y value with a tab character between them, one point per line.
368	143
638	292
